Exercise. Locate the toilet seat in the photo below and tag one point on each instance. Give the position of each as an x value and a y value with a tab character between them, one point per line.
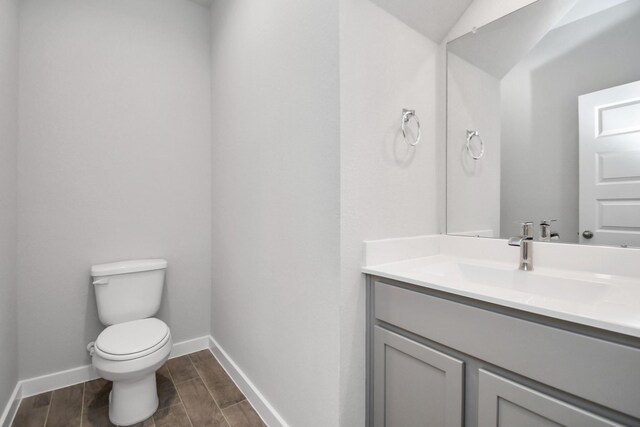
132	340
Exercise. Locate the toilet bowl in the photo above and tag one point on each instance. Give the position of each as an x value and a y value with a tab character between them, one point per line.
134	345
129	354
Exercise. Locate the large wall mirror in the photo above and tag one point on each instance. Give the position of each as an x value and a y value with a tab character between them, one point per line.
543	124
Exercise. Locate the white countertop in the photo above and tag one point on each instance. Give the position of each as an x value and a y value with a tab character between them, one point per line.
600	299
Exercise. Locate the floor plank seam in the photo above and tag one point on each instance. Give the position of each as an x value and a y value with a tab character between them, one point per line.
176	389
210	393
182	401
46	418
179	397
185	410
236	385
237	403
185	381
84	387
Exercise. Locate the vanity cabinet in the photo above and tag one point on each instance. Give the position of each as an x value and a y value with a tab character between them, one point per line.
415	384
436	359
506	403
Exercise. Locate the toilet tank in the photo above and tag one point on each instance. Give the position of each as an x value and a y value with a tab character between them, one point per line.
128	290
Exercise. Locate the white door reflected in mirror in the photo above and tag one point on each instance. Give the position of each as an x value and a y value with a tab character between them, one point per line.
610	166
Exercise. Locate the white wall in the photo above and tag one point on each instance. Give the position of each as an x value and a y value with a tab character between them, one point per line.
387	188
276	254
114	163
8	219
473	186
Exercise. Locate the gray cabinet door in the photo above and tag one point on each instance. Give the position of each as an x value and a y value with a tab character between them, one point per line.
504	403
414	385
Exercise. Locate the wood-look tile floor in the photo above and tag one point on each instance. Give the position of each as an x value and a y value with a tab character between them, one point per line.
193	390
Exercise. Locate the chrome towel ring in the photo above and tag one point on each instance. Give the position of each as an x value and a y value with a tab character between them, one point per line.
474	134
406	116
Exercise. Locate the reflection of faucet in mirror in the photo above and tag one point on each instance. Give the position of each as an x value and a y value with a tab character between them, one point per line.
546	235
525	241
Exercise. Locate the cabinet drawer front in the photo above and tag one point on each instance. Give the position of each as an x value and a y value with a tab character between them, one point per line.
504	403
594	369
414	385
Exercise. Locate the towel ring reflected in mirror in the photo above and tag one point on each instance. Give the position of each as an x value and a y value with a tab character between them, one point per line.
406	116
474	134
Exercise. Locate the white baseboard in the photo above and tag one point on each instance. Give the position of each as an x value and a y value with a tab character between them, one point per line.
56	380
37	385
10	411
267	412
189	346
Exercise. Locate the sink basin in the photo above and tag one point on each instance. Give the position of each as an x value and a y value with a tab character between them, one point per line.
599	300
532	283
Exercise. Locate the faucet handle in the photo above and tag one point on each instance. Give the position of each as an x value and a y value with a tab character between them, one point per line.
545	230
527	229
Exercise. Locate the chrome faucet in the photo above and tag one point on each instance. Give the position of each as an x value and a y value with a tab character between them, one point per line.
545	230
525	241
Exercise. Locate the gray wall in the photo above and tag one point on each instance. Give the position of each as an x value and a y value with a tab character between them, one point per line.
540	114
8	219
114	163
276	225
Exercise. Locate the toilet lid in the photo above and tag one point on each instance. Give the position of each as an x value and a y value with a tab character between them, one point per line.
129	339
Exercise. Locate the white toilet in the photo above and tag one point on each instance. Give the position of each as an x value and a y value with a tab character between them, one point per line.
134	344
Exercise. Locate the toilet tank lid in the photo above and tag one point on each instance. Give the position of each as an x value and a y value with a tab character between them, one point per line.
132	266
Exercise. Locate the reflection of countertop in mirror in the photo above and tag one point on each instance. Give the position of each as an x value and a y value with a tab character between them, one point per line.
588	285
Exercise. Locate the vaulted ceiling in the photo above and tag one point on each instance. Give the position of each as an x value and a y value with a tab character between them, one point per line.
512	36
432	18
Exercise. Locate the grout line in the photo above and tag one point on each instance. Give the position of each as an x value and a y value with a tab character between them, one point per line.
183	407
48	409
187	380
179	397
84	387
237	403
237	386
193	362
215	358
171	379
210	394
175	388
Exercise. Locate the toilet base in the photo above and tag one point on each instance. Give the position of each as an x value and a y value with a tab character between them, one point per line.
133	401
